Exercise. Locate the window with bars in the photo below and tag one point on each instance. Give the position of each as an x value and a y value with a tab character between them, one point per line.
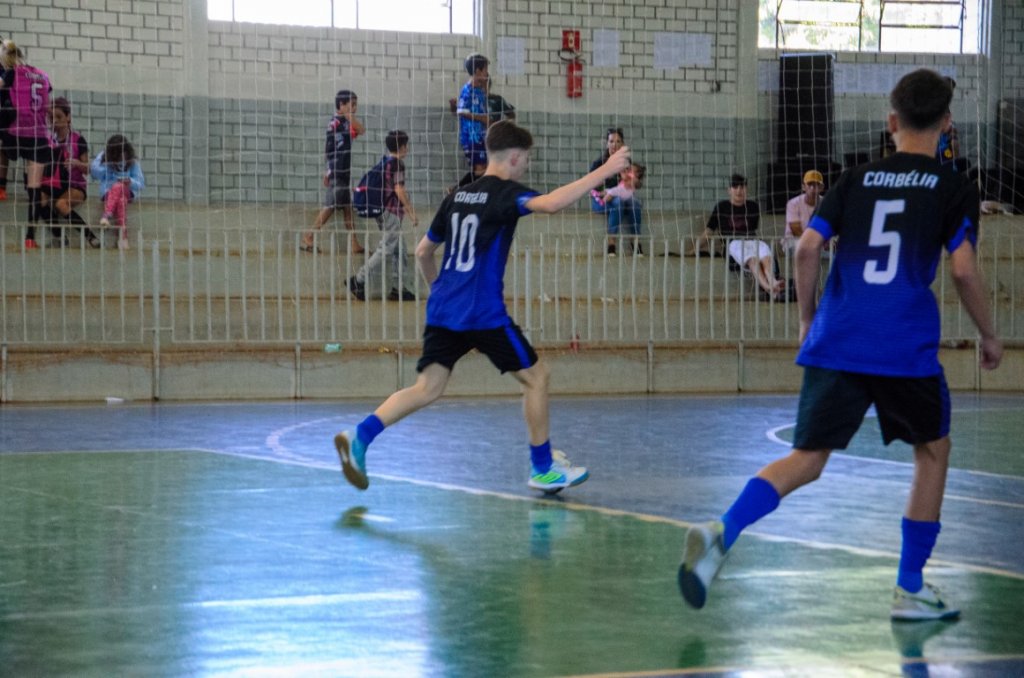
420	16
936	26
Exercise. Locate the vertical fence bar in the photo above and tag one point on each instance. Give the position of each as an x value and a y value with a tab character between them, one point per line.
279	278
261	248
122	268
332	243
682	289
557	290
208	280
316	286
102	291
81	292
63	290
297	282
243	255
155	381
172	293
44	266
227	287
590	292
141	262
574	329
191	268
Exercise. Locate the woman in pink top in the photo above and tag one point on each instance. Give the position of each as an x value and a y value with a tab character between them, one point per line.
28	135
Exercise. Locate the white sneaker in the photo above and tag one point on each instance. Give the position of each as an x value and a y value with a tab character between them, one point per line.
561	475
703	555
352	454
924	605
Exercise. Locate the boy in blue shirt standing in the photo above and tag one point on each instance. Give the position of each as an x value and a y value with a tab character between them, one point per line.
466	309
474	113
874	339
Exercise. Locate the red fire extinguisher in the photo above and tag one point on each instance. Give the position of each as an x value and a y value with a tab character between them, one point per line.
570	54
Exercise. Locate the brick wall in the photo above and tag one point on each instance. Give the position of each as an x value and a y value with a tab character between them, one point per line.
243	106
1011	39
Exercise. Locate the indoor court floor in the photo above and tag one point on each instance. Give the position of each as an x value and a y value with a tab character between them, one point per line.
221	539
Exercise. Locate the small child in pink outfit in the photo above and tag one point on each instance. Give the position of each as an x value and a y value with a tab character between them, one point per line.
623	207
121	180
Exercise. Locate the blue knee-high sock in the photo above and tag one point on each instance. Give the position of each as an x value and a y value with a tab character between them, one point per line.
918	541
368	429
757	500
540	456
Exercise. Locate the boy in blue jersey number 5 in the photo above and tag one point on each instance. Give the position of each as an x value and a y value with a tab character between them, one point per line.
466	309
874	339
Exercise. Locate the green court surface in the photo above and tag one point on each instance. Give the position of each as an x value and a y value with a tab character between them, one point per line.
194	563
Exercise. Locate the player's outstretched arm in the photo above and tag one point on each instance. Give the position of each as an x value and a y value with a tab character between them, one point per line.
807	268
425	259
563	196
971	288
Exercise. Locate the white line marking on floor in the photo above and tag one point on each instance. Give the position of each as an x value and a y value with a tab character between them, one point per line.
809	543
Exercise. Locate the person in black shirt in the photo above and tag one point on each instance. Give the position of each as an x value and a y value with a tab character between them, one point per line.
737	219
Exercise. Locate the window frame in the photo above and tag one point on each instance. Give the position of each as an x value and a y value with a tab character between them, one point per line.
474	9
868	12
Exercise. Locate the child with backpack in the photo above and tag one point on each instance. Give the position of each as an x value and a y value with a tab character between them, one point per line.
381	195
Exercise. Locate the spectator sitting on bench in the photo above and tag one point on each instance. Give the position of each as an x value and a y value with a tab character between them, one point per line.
738	218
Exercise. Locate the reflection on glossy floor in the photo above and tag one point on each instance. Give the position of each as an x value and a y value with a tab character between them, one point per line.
221	539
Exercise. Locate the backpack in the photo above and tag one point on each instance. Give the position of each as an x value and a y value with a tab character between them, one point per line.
368	197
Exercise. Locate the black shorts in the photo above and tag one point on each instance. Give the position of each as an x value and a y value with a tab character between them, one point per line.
505	347
833	403
32	149
337	195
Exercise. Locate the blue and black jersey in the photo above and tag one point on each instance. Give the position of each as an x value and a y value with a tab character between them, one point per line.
893	217
476	225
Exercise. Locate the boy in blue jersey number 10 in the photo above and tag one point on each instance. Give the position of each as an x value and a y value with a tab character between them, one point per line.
874	339
466	309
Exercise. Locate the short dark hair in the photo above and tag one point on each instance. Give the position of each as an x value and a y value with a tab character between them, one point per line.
505	134
395	139
921	99
737	179
474	62
343	97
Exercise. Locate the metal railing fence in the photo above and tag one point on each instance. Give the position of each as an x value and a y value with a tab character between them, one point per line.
197	285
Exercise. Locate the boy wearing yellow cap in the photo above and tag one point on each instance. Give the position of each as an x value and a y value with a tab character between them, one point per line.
800	209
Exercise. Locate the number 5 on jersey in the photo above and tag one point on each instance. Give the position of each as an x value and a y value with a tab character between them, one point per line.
882	238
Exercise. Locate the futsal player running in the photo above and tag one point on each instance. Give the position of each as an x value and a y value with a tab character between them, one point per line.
466	309
874	339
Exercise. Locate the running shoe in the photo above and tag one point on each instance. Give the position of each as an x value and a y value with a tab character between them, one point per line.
561	475
924	605
352	454
703	555
357	288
